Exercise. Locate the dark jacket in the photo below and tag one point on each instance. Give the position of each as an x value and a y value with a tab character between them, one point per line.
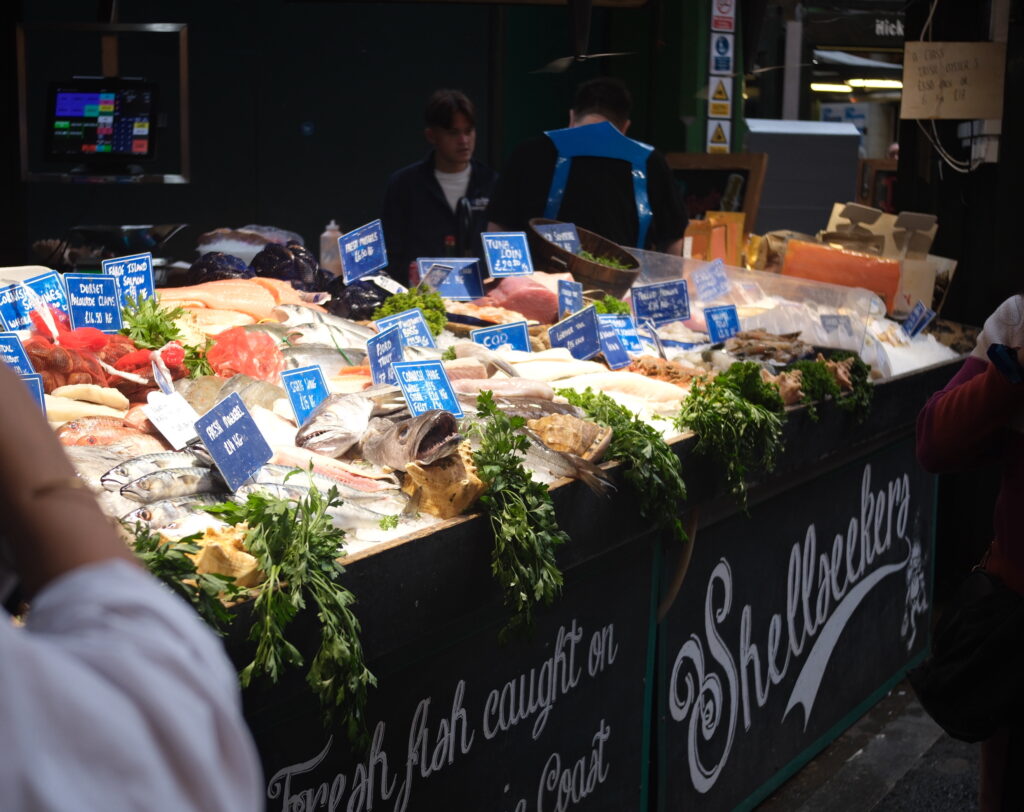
417	218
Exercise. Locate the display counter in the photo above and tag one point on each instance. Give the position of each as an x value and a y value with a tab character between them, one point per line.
792	619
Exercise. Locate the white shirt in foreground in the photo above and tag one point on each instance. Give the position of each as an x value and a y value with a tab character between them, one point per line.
454	184
115	696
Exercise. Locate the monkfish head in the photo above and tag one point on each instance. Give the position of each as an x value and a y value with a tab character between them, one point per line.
424	439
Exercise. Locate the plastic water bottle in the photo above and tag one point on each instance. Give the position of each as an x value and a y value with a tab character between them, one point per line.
330	258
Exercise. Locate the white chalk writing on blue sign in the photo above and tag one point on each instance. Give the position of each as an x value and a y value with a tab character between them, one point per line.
382	350
919	318
34	382
134	276
415	331
306	389
507	253
362	251
711	282
614	353
94	301
579	334
564	235
12	353
625	328
234	441
515	335
662	303
19	300
570	297
833	323
722	322
426	386
463	284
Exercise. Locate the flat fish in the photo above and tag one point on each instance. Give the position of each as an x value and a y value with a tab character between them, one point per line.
170	482
203	393
120	475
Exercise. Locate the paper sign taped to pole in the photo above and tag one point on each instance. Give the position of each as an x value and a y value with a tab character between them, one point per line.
958	80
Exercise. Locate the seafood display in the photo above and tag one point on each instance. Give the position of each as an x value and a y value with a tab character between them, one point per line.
238	325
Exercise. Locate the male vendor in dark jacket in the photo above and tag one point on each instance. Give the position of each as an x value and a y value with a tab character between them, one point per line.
592	175
435	208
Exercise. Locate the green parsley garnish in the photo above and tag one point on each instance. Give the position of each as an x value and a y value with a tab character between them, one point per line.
297	546
526	531
423	297
651	468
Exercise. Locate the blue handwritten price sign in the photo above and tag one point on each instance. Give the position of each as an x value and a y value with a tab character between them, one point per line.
579	334
34	382
426	386
662	303
19	300
134	276
722	322
306	388
415	331
382	351
570	297
614	353
463	284
919	318
507	253
234	441
711	281
564	235
834	323
94	301
12	353
362	251
625	328
515	335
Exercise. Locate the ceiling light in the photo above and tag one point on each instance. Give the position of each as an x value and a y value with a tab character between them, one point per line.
824	87
880	84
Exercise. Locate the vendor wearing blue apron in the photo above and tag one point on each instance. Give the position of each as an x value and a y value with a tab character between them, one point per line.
592	175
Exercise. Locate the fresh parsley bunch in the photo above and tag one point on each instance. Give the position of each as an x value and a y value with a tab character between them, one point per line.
169	562
423	297
526	531
652	469
738	434
150	326
298	546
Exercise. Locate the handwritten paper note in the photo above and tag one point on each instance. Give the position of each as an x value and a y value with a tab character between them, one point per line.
961	80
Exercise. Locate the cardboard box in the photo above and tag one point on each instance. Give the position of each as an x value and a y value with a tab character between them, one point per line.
906	237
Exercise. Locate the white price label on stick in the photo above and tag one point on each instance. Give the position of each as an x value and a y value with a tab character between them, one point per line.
173	417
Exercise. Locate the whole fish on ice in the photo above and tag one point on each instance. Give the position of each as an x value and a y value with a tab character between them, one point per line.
423	439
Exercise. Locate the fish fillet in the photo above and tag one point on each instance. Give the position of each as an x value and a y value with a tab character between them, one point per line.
212	321
516	387
242	295
557	370
627	383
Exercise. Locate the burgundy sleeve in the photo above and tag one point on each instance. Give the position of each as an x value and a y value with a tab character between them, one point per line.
961	424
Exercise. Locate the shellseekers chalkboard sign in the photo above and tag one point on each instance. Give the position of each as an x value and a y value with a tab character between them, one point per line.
778	646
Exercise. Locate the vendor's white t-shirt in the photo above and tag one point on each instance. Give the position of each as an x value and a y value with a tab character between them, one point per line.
453	184
115	696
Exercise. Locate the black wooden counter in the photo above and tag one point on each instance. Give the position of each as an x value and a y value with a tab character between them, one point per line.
602	707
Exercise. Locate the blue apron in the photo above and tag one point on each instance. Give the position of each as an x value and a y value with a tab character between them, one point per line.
600	140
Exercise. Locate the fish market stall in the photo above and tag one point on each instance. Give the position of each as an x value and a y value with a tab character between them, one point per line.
539	549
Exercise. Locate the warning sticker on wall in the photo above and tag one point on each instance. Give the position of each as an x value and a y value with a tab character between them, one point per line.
720	98
719	136
723	15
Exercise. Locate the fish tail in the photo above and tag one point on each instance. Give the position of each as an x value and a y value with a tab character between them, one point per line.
593	476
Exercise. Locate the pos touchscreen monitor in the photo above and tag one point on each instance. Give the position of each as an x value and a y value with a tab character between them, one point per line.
103	122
